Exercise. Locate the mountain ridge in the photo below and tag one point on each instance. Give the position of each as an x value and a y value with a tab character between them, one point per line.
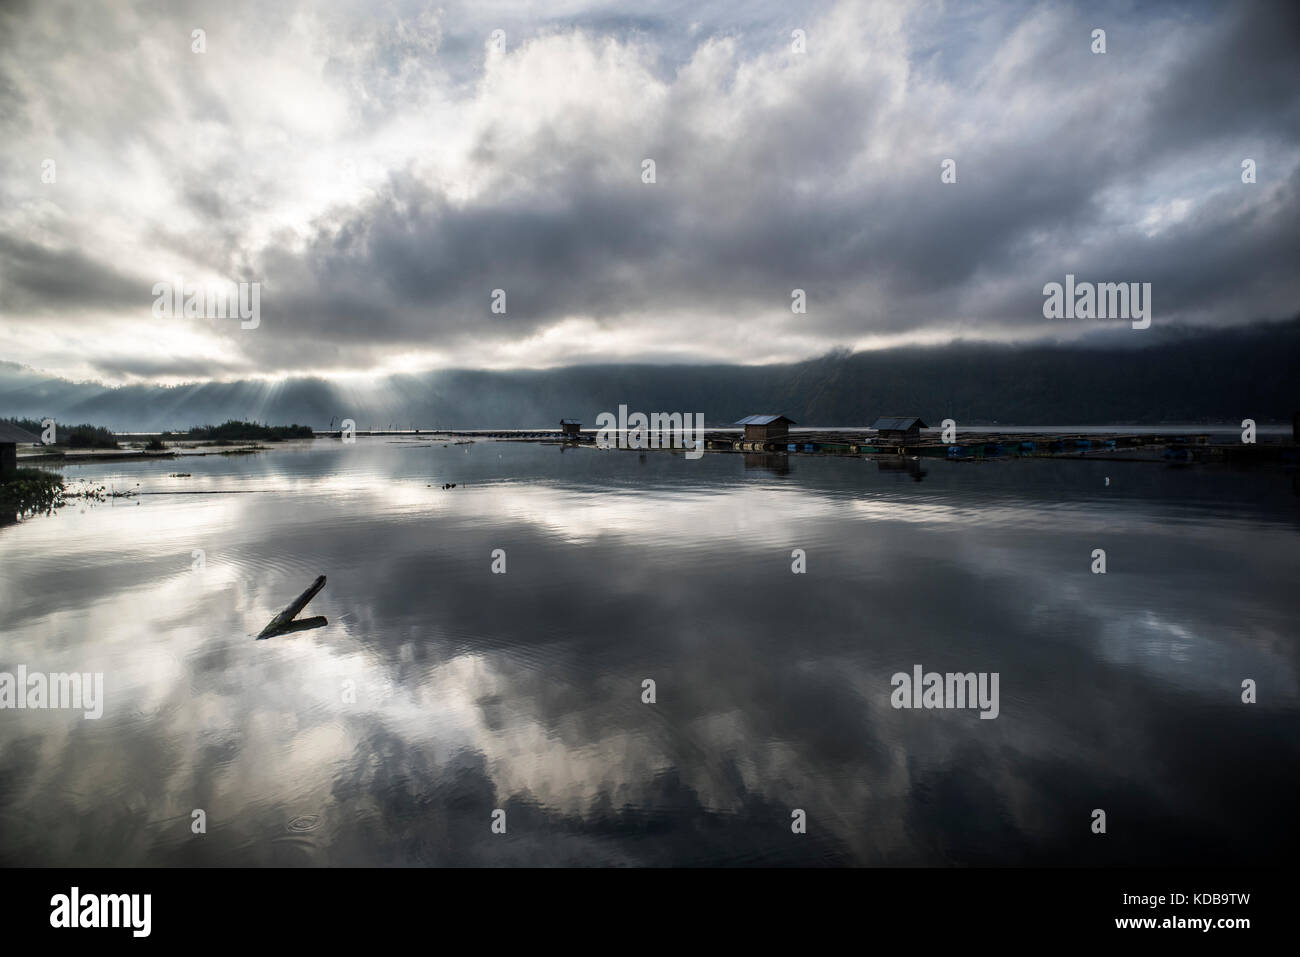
1212	377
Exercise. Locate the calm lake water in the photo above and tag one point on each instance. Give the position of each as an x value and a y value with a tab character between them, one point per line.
440	691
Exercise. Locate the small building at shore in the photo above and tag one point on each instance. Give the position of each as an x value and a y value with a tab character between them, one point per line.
571	427
10	438
898	429
765	428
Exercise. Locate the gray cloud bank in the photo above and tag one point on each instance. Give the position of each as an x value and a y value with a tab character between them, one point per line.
382	171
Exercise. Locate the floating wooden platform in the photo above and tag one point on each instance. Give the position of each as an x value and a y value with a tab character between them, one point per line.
972	445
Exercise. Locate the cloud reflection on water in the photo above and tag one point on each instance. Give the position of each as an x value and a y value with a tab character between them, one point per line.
477	691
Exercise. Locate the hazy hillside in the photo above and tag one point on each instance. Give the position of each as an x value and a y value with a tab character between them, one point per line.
1216	377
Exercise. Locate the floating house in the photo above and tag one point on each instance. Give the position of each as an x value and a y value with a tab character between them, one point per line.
898	430
10	438
571	427
765	428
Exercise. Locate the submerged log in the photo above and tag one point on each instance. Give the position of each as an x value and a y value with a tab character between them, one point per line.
280	622
304	624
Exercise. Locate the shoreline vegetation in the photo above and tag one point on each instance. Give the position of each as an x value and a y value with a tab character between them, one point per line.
88	442
235	430
35	486
26	491
87	435
83	436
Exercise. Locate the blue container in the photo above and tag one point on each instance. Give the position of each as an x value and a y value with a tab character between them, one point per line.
810	448
792	448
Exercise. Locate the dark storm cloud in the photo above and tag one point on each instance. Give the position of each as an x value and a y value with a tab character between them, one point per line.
38	280
1240	81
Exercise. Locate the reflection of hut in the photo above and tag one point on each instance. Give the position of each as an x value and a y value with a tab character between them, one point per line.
10	438
772	462
765	428
898	429
570	427
911	465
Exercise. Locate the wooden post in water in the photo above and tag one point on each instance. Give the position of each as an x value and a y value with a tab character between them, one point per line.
281	621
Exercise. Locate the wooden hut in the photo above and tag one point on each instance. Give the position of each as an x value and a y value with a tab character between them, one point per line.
898	430
10	438
571	427
765	428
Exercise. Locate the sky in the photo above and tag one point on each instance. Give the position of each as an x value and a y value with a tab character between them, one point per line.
378	169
